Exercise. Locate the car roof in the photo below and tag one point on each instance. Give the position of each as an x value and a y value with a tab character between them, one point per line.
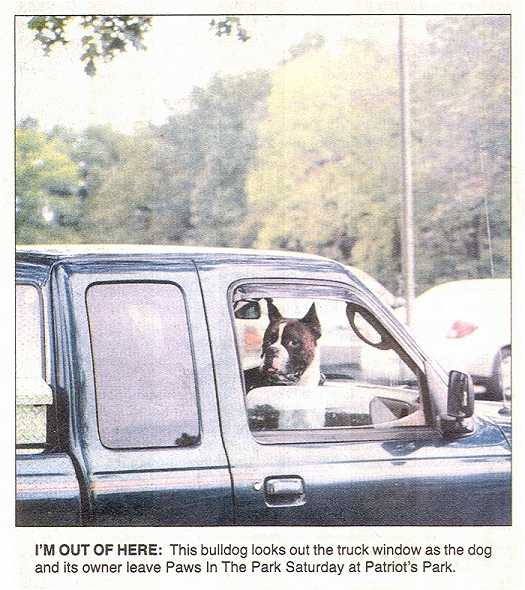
76	249
472	296
59	251
479	285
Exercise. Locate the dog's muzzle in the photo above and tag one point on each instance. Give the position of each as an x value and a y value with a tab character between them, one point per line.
278	376
276	368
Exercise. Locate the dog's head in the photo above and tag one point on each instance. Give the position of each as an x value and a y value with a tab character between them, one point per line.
289	346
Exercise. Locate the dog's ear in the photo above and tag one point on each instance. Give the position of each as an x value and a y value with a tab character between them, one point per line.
273	313
312	321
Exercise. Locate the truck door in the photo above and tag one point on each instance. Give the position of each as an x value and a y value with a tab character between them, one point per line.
359	446
137	366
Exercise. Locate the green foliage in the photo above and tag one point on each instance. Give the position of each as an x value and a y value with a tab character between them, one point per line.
106	36
327	160
46	184
126	206
327	172
221	132
103	38
306	158
462	156
184	181
227	25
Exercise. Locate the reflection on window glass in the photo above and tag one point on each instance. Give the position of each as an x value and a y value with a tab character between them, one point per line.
305	368
31	403
29	337
143	365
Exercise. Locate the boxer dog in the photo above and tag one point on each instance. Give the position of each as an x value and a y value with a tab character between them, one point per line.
290	355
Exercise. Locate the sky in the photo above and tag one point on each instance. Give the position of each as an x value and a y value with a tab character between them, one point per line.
182	52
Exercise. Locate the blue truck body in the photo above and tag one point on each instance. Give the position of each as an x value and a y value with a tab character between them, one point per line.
416	477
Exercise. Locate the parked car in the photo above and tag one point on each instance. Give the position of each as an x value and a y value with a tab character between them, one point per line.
466	325
134	408
463	324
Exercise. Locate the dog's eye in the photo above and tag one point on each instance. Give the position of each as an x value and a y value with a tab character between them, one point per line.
294	343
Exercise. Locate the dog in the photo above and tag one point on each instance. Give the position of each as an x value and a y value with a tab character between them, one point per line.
290	356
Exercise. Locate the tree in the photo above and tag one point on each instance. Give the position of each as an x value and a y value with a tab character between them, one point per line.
326	178
304	159
220	143
184	182
462	157
106	36
47	204
129	201
326	175
97	149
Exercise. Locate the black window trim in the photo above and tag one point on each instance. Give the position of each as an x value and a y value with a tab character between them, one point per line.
193	362
288	287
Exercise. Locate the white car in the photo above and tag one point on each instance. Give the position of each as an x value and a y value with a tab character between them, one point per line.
465	325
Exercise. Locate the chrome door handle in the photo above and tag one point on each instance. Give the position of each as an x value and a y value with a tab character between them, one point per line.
284	491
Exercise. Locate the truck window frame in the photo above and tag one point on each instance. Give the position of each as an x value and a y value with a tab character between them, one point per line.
311	288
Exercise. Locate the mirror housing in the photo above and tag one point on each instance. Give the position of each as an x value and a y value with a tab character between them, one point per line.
460	404
460	399
247	309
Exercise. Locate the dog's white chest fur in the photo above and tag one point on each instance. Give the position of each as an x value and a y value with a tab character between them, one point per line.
305	418
290	345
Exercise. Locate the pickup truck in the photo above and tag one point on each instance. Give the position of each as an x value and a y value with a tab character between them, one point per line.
133	407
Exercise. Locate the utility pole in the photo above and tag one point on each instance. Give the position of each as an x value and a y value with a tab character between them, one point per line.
407	225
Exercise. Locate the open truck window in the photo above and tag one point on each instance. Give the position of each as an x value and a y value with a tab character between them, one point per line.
311	363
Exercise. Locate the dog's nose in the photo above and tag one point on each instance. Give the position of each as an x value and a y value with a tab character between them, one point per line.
272	361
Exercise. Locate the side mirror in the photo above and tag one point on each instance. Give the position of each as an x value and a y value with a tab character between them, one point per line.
460	401
460	405
247	309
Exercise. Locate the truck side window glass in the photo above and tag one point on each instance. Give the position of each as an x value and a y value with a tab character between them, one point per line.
32	398
305	367
143	366
29	333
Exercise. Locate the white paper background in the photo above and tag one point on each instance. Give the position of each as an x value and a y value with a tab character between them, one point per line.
505	570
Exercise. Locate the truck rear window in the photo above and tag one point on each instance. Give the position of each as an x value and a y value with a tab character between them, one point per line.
29	333
143	365
33	397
